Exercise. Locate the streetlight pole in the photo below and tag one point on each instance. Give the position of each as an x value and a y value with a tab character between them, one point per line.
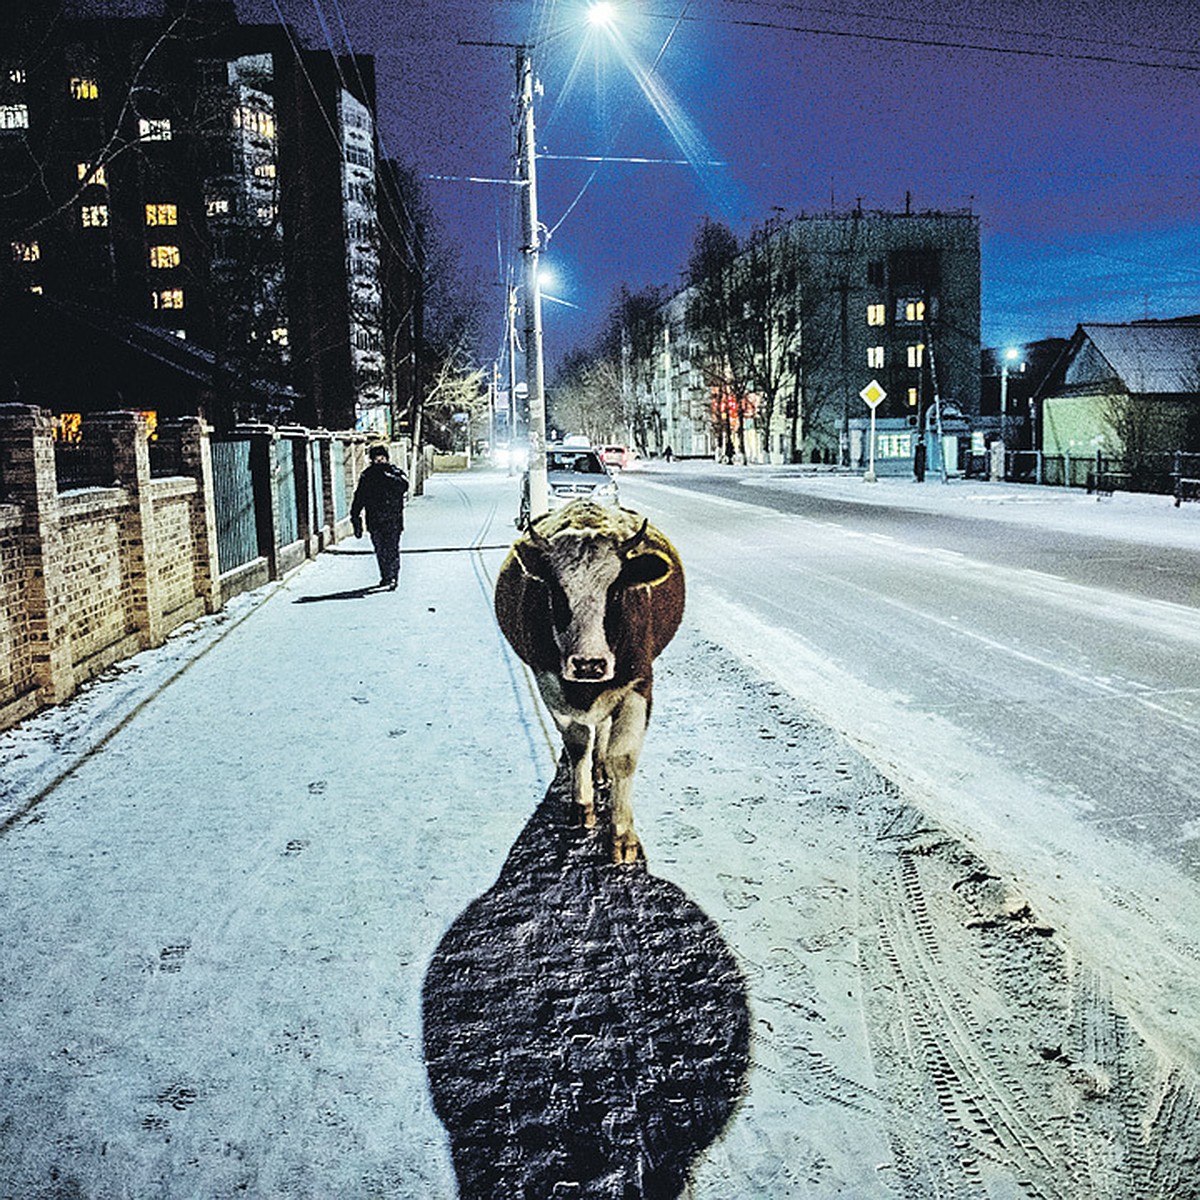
1010	355
511	321
539	501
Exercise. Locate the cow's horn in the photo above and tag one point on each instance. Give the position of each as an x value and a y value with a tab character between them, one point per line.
631	544
541	542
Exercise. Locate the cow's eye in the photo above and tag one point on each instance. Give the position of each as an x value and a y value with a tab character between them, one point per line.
560	610
644	568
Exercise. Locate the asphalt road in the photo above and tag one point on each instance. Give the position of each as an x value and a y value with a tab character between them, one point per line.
1039	690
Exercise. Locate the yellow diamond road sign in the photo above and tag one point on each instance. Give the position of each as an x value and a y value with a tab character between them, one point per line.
873	394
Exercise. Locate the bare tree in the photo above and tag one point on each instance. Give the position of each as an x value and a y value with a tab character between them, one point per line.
635	325
586	396
716	321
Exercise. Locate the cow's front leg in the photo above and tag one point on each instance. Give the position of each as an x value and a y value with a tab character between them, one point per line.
600	752
624	748
580	741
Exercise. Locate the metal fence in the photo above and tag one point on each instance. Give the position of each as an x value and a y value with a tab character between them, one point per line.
83	464
233	499
166	453
1156	474
318	485
337	454
283	480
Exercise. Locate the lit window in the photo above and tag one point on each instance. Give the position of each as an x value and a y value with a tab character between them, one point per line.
26	251
265	170
875	356
91	174
16	75
218	206
876	314
14	116
279	335
168	298
162	214
893	445
912	397
164	256
154	129
36	289
254	120
84	89
94	216
914	310
68	427
267	213
916	354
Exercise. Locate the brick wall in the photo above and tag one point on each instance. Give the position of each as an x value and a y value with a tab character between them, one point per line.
178	549
92	575
92	581
16	659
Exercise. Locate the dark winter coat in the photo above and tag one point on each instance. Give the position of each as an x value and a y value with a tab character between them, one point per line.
380	492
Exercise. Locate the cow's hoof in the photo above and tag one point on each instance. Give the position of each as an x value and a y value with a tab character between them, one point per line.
628	849
586	816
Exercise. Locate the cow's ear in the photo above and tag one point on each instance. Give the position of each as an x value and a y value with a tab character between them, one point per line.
531	560
649	568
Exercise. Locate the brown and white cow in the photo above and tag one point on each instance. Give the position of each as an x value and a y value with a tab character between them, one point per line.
588	597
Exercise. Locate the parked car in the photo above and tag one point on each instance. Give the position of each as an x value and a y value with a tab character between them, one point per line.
615	457
572	473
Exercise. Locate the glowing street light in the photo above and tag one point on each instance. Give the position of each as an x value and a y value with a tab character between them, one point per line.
1011	355
601	14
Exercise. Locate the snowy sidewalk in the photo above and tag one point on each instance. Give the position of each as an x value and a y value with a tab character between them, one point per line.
226	866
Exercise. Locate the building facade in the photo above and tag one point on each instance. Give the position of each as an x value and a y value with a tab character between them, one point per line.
832	303
210	179
1124	390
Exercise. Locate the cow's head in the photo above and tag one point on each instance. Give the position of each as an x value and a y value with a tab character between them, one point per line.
585	565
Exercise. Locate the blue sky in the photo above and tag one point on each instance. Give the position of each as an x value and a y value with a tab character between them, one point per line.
1072	128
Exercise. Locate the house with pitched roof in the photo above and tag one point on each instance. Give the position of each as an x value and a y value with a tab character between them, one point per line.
1124	390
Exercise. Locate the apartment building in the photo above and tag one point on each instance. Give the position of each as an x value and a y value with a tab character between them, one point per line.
213	180
847	299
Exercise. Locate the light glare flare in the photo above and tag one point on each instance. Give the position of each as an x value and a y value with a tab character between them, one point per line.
600	15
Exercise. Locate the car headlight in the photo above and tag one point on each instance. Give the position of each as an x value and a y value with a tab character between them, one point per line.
606	492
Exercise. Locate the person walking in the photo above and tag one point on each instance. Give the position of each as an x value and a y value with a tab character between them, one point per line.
380	494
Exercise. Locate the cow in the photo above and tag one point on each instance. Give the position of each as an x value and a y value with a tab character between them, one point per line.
588	597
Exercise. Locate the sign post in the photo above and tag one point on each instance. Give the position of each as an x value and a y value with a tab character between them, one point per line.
873	395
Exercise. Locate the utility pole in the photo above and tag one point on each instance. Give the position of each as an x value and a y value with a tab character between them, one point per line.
512	374
539	501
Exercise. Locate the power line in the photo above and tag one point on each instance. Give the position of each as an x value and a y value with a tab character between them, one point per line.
1041	34
945	44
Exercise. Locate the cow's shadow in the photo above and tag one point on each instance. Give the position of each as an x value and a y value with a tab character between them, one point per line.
586	1028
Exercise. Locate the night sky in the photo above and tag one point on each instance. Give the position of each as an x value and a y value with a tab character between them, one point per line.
1071	128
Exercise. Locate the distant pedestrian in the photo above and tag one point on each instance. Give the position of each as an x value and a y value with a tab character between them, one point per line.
919	461
380	494
667	454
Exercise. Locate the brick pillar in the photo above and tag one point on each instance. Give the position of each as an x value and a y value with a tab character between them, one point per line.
195	459
322	445
126	432
30	479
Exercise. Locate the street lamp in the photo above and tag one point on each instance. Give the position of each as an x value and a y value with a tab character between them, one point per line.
1010	356
600	15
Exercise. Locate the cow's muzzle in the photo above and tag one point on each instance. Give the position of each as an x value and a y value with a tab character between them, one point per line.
579	669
